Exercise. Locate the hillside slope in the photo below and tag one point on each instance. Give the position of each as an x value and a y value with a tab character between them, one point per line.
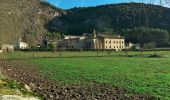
113	17
26	19
32	19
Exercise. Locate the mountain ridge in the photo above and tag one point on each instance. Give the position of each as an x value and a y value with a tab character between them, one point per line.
114	16
33	19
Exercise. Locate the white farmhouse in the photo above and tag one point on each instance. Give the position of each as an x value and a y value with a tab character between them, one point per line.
22	45
1	51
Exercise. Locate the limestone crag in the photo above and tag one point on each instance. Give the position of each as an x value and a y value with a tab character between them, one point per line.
25	19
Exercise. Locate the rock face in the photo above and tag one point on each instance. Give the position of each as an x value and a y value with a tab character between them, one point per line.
14	97
26	19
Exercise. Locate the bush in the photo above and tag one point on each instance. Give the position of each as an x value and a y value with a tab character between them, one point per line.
150	45
155	56
147	36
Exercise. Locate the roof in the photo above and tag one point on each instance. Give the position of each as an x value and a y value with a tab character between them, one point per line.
111	36
23	42
73	37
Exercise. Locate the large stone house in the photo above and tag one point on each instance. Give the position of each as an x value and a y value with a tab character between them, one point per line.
74	42
94	42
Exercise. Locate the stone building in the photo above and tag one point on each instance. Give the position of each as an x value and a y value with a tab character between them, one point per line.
7	48
93	42
1	51
113	42
73	42
108	42
20	44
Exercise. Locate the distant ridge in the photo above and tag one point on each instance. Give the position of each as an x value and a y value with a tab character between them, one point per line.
114	17
33	19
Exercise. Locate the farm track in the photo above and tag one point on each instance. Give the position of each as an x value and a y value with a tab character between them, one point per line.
50	90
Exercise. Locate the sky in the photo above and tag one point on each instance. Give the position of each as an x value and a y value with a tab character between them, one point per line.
67	4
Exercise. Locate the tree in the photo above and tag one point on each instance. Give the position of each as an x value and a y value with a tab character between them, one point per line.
147	35
53	36
52	46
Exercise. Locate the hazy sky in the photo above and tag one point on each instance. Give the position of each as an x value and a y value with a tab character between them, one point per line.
66	4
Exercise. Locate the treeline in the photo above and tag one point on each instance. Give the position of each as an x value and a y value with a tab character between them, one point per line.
147	37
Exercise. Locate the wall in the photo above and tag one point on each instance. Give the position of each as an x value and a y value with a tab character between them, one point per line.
116	44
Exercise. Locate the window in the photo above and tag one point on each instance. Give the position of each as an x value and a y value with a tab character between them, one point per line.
109	41
106	41
110	47
114	46
122	41
106	47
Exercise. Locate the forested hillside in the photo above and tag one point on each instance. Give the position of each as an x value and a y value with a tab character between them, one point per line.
113	17
36	20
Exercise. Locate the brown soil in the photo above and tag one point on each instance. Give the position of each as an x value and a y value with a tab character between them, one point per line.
50	90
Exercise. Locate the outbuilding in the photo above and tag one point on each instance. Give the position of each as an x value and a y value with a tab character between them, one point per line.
7	48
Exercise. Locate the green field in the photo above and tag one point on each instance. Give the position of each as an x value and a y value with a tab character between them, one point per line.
137	73
74	54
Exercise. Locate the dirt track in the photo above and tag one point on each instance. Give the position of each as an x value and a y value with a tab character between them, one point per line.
50	90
